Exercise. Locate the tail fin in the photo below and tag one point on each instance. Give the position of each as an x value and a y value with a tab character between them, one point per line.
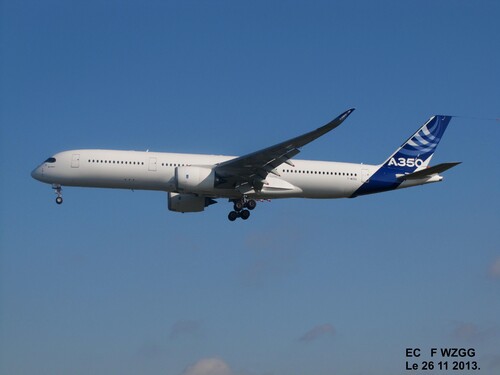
413	156
416	153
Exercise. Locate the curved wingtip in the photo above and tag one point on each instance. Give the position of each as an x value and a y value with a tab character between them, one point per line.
344	115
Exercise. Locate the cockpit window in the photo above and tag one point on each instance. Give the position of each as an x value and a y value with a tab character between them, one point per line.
50	160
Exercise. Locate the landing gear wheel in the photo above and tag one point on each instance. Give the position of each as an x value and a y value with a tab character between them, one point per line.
245	214
251	204
233	215
58	190
238	206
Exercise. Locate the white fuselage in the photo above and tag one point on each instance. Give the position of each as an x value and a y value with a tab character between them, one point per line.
157	171
194	181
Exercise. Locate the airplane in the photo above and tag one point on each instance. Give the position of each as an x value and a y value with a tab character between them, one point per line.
194	181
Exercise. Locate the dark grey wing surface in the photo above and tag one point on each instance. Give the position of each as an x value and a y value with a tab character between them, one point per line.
253	168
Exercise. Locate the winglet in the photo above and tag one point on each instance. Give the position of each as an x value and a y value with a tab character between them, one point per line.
311	136
336	121
344	115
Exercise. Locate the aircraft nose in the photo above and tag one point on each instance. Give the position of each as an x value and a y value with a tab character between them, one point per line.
37	173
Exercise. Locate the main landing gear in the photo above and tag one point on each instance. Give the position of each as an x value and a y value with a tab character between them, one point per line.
242	208
58	191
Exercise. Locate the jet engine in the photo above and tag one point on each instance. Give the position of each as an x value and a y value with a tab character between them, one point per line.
194	179
188	202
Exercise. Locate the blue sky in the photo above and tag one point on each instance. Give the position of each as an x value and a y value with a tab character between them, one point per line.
112	282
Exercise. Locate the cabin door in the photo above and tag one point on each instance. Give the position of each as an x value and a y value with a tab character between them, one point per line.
75	161
365	175
152	164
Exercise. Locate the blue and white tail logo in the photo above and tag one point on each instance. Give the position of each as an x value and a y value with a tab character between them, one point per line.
416	152
414	155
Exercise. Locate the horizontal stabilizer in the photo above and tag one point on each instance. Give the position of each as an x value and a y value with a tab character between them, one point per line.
428	172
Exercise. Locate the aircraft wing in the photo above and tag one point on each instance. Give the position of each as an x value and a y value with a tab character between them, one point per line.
251	170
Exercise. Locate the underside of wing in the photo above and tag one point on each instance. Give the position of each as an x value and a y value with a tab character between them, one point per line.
249	171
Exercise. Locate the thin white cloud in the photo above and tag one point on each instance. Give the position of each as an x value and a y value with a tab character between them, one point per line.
495	269
465	331
470	332
317	332
208	366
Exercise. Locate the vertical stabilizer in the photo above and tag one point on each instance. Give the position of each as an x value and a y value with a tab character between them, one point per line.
416	153
413	155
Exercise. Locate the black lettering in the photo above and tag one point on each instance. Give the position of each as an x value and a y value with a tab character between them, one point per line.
445	352
428	365
414	366
457	352
412	352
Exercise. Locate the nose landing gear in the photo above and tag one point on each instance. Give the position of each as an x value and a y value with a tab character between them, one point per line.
58	191
241	209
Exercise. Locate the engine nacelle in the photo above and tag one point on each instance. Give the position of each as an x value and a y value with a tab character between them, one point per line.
188	202
194	179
